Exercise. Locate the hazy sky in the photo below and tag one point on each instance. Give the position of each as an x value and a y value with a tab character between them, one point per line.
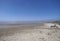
12	10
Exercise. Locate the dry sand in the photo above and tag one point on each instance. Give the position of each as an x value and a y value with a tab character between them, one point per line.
30	33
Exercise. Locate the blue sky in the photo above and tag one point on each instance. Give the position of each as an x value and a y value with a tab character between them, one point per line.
15	10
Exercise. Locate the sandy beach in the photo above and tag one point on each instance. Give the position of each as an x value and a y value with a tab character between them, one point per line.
30	33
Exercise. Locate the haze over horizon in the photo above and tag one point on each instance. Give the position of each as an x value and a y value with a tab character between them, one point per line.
26	10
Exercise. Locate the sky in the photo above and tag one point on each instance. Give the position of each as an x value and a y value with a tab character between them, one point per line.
26	10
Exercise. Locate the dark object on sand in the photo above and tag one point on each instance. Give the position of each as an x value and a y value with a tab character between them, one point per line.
54	26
